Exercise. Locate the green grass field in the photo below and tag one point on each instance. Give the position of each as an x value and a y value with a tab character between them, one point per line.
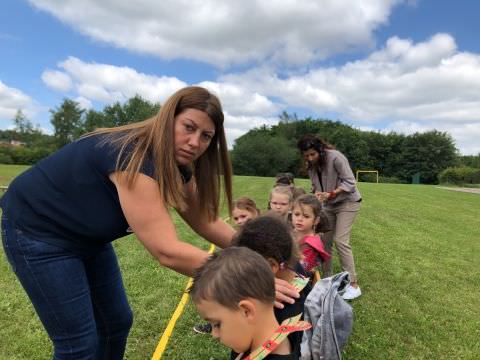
417	250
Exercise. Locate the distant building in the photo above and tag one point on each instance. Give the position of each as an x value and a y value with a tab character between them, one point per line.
12	143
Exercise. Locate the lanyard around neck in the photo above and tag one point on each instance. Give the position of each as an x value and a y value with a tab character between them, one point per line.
288	326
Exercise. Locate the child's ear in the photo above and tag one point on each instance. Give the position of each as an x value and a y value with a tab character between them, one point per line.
248	309
317	221
274	265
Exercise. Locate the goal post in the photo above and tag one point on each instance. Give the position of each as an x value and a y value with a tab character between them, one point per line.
367	171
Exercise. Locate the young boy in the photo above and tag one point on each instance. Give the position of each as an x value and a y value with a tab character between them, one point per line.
235	291
270	237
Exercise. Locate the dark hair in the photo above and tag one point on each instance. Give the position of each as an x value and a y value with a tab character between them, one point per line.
284	179
310	141
232	275
298	191
311	200
268	235
245	203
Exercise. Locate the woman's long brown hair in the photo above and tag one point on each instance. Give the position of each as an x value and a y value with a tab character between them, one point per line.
155	137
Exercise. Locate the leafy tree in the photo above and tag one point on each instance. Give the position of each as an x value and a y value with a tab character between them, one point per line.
96	119
428	154
67	122
138	109
470	160
264	151
261	154
30	135
22	124
134	110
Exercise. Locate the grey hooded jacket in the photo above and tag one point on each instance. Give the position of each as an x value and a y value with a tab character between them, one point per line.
331	318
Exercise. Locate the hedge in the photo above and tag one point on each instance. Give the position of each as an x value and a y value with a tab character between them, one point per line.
460	175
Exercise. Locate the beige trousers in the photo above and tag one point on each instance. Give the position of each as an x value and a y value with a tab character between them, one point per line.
341	218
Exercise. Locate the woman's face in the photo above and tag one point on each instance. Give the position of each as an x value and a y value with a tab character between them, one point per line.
194	130
311	156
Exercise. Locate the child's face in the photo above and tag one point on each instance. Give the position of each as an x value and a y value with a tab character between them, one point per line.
241	216
229	326
279	203
303	218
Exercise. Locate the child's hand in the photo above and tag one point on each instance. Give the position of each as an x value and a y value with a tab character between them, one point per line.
321	196
284	292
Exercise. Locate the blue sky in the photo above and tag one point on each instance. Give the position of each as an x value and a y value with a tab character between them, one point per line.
386	65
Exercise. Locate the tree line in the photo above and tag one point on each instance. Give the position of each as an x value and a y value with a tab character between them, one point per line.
398	158
262	151
26	144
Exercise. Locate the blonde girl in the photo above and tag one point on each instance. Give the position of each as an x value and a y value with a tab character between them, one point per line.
280	201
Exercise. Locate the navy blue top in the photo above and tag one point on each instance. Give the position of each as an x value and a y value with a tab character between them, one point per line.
67	199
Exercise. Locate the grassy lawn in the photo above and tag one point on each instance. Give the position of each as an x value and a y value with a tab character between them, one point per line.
417	250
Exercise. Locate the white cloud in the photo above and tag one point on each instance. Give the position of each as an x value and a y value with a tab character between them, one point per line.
240	101
243	109
236	126
108	83
84	103
227	32
12	100
427	85
57	80
410	85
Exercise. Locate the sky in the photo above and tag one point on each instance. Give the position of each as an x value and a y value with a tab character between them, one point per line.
382	65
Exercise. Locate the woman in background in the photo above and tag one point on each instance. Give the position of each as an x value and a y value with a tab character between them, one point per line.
334	185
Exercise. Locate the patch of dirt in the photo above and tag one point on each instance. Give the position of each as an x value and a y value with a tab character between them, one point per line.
467	190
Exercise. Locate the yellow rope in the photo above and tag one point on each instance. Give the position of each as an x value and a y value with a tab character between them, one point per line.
157	355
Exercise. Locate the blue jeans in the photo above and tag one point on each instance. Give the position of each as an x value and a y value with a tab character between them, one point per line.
78	295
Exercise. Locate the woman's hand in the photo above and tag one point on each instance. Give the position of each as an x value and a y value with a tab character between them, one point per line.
284	292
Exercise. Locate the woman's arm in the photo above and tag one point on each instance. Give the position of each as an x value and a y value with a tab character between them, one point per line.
217	231
150	220
344	173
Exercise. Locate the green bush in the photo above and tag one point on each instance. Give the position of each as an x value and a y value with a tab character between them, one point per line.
23	155
390	180
5	158
460	176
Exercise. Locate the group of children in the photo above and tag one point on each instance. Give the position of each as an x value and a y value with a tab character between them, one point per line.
235	289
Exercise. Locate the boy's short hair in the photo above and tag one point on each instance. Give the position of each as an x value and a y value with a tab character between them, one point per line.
232	275
270	236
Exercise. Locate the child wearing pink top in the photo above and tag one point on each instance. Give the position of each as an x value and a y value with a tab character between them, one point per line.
308	220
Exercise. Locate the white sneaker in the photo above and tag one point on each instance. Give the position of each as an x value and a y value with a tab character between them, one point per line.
351	292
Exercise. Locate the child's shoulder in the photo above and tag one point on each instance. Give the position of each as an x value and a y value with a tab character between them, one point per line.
312	237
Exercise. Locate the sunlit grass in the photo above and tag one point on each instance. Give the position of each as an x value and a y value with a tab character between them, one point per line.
417	250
